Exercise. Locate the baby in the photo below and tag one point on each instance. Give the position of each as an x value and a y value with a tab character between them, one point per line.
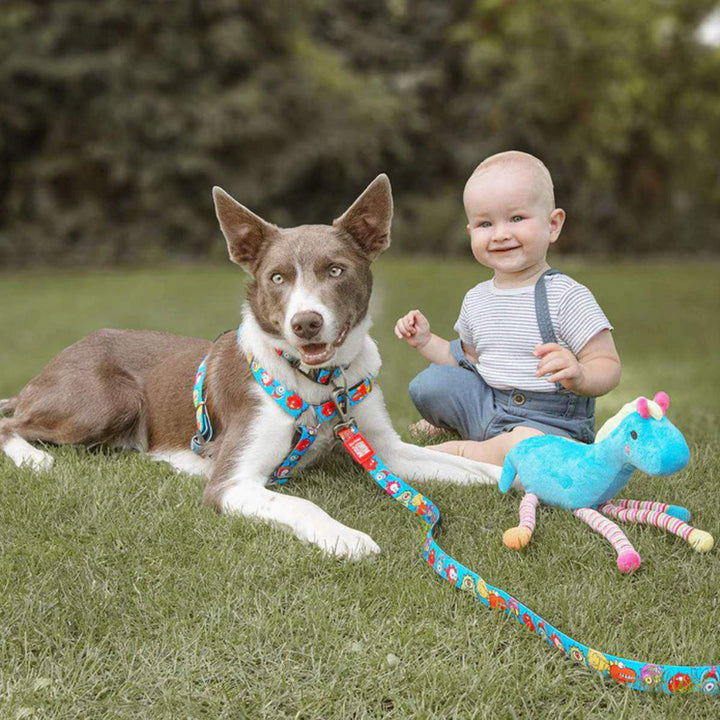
535	348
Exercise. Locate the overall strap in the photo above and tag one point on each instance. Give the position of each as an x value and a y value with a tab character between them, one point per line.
542	312
542	308
547	332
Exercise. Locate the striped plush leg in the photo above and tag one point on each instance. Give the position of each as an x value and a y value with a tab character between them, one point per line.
518	537
698	539
628	560
674	510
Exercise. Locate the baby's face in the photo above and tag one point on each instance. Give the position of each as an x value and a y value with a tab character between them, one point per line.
511	221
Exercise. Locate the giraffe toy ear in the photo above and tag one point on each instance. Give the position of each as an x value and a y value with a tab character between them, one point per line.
642	408
663	400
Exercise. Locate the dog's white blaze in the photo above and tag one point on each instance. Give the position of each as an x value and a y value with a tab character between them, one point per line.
22	453
185	461
302	299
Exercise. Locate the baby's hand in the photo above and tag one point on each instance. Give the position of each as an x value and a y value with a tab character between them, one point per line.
414	328
560	363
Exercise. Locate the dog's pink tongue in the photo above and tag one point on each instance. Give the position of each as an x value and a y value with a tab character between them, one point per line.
316	353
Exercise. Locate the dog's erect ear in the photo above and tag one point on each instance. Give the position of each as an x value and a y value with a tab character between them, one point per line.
368	219
245	232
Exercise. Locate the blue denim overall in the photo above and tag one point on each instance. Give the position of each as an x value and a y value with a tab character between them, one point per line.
456	397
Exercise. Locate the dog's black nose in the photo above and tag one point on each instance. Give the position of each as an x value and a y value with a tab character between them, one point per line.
307	324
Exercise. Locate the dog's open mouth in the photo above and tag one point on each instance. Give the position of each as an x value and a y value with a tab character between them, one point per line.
316	353
319	353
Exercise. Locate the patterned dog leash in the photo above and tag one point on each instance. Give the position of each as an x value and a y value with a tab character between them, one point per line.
672	679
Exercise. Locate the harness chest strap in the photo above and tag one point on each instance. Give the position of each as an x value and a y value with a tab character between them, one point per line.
293	403
289	402
295	406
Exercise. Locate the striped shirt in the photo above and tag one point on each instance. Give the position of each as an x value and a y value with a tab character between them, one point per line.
502	327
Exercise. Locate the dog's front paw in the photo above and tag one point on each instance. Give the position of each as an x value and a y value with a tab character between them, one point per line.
344	542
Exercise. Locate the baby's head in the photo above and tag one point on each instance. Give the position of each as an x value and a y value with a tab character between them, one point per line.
522	171
512	218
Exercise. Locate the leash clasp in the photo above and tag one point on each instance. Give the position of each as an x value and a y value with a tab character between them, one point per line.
341	400
341	427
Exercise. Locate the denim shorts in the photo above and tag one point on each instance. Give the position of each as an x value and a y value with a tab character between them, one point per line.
457	398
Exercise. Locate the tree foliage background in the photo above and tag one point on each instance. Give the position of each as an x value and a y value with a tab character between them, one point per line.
117	118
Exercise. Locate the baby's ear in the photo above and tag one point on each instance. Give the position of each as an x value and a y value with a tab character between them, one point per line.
557	220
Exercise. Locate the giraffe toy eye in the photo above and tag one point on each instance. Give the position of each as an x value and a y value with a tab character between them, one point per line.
634	435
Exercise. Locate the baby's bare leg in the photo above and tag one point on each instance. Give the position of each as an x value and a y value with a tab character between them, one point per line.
490	451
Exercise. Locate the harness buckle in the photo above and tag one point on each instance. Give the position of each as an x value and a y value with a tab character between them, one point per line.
196	442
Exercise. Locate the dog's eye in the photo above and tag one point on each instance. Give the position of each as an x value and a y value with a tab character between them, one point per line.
336	271
633	435
277	278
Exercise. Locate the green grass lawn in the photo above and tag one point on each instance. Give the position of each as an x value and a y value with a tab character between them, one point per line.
122	596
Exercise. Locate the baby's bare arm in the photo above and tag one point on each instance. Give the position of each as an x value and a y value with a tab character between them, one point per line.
414	328
594	372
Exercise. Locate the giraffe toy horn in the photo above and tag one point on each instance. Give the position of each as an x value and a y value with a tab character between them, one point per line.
663	400
642	408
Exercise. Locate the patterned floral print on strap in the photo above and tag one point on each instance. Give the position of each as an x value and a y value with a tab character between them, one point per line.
204	427
295	406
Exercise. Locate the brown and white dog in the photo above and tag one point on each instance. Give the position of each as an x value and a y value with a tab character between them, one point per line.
309	296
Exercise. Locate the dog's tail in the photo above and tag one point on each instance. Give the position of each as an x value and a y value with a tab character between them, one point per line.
7	406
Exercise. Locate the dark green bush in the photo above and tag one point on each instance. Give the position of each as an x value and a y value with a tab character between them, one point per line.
118	117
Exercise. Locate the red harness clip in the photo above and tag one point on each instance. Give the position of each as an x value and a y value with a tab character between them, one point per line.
355	444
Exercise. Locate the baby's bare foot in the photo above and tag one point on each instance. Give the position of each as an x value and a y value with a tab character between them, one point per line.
426	429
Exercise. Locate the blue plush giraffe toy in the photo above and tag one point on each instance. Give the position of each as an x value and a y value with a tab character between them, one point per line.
586	478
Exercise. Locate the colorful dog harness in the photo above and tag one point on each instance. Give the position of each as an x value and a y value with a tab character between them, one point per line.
306	432
290	402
